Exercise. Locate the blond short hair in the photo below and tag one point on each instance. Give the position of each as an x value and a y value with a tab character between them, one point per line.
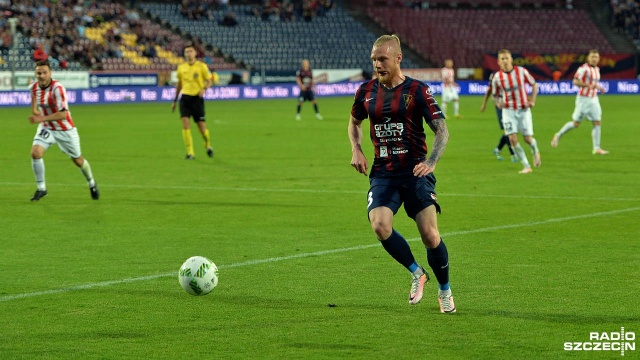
386	38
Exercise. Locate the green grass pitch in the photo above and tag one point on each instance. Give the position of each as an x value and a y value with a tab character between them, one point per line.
536	260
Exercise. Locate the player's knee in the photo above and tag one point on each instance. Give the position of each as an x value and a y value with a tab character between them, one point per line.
79	161
576	123
430	237
36	153
382	229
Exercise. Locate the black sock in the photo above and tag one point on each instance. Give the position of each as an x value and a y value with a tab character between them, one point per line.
399	249
504	140
438	259
298	112
315	107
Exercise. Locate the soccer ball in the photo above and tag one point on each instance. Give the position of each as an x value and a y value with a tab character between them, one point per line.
198	275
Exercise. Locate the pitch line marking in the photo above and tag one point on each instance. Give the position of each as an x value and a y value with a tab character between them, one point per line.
316	253
321	191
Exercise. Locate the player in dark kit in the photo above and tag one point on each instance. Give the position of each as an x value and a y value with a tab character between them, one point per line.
402	173
304	78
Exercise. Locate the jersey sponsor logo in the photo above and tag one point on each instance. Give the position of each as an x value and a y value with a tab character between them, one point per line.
399	150
408	98
383	151
388	130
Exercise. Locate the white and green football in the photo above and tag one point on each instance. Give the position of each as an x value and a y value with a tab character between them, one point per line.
198	275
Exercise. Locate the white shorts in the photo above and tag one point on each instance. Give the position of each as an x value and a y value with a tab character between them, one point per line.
449	93
68	141
587	107
515	121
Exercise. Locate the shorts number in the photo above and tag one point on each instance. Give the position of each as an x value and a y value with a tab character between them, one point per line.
507	126
370	199
44	134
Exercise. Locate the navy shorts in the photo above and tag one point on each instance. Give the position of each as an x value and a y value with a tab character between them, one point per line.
306	96
416	193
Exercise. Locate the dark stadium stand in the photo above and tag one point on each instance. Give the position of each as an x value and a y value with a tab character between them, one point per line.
465	35
102	36
23	53
625	18
115	38
468	3
334	40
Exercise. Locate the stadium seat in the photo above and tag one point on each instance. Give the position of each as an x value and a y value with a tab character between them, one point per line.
466	35
282	45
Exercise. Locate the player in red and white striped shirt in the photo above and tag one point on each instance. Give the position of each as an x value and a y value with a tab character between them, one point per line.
449	89
587	103
510	83
50	111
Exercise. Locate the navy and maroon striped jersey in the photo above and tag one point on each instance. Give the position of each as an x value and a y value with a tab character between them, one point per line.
397	129
305	76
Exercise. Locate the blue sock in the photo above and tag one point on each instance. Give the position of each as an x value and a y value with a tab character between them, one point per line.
438	259
399	249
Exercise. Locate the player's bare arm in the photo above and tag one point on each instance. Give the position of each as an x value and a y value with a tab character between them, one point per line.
534	94
175	99
207	85
34	106
300	84
580	83
486	97
439	128
358	160
34	119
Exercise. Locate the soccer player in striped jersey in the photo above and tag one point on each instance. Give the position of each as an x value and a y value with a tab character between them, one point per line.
504	139
450	89
587	78
304	78
396	106
50	110
509	83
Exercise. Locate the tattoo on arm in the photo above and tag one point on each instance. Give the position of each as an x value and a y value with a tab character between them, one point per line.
439	128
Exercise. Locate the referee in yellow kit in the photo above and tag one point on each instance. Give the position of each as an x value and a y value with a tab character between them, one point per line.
194	79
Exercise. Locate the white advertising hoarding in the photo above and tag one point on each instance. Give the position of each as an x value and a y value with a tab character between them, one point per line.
70	79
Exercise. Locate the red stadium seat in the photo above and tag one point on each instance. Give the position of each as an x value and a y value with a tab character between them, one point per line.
466	35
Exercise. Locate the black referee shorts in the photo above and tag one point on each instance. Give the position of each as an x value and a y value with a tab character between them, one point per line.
192	106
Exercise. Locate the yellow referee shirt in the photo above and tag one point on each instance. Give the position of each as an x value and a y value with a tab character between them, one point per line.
193	76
